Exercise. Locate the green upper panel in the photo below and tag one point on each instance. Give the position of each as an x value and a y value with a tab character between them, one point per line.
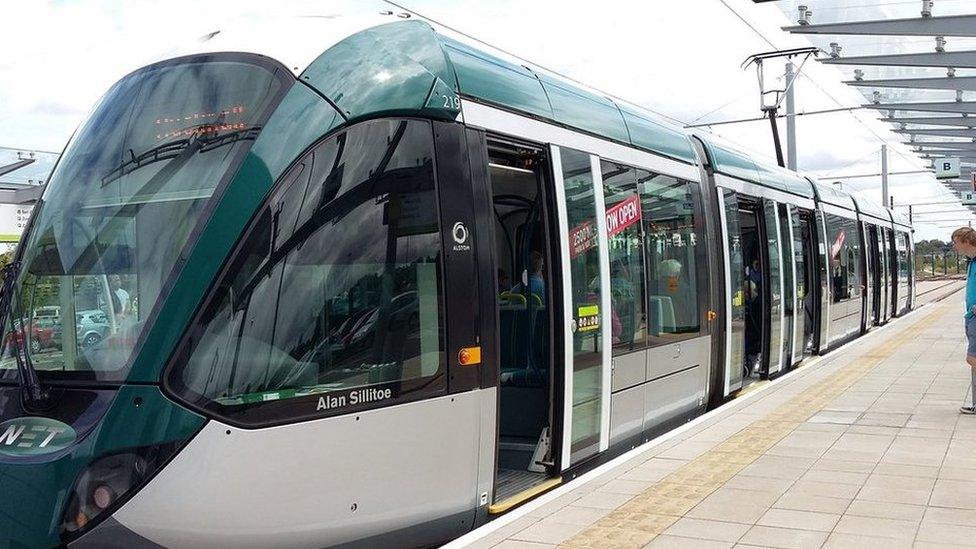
481	75
830	195
578	108
648	134
406	68
390	70
737	164
872	208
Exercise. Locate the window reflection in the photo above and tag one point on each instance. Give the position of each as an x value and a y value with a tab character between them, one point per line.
625	240
337	285
672	240
122	205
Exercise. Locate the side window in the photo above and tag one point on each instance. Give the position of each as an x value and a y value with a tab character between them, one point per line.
625	238
333	301
903	264
672	238
844	257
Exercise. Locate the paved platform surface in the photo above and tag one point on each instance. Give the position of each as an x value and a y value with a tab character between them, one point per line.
862	448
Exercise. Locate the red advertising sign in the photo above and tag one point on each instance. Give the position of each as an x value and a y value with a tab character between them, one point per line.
582	238
837	245
623	215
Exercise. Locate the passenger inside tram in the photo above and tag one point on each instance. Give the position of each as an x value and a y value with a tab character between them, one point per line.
753	293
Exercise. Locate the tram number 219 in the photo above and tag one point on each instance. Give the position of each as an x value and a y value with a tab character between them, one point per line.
452	102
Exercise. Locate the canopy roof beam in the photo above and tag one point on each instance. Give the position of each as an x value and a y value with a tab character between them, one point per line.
968	107
964	83
15	166
967	121
956	59
940	132
952	25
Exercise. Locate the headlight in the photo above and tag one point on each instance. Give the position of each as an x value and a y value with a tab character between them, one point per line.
107	483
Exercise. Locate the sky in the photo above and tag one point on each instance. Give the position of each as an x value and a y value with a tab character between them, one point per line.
680	58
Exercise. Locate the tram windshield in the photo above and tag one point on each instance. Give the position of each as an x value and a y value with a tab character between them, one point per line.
121	207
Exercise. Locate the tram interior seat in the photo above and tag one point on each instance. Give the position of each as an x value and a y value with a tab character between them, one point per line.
524	375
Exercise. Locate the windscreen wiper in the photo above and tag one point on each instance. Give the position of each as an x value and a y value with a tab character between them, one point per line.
34	392
173	149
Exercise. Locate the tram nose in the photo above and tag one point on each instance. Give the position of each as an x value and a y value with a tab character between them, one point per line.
65	469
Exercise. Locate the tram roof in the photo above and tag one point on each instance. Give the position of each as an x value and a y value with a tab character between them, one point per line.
830	195
870	207
726	159
900	219
409	68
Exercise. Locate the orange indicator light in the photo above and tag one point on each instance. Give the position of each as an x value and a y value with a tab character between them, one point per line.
469	356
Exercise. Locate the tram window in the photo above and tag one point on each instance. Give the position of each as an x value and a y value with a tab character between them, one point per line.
903	265
672	236
627	288
842	237
333	301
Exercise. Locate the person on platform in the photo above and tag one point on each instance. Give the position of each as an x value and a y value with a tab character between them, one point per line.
120	297
964	242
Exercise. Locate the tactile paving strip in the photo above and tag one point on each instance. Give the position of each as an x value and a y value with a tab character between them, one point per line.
648	514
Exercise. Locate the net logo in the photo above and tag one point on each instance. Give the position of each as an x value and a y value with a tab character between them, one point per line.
33	436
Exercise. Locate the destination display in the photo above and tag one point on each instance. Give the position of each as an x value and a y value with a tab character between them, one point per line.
201	123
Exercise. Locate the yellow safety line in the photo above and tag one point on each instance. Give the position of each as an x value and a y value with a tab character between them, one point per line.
752	387
524	495
648	514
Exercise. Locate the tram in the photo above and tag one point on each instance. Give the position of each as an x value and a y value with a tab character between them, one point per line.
378	291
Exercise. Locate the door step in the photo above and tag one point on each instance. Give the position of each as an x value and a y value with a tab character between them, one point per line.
524	495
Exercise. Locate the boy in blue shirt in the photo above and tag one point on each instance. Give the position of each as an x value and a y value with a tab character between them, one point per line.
964	242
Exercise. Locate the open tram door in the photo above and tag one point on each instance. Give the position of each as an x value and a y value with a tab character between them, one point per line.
746	297
525	300
878	275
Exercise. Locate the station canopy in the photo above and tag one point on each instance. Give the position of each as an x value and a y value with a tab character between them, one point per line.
918	71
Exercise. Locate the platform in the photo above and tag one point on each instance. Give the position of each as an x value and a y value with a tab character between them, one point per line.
864	447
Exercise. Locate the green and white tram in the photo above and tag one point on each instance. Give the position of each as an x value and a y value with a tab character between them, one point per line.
382	293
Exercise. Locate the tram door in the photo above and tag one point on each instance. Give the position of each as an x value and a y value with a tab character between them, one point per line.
884	276
523	254
789	286
867	283
735	290
774	287
802	313
892	268
585	278
875	262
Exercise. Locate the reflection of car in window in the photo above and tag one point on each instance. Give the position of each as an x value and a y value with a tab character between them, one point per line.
47	316
92	326
40	337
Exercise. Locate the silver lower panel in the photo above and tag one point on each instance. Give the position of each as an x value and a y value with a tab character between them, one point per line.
321	483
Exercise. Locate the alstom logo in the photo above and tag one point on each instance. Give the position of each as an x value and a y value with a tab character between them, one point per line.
31	436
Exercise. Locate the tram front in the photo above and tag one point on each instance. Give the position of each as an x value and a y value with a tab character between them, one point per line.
83	421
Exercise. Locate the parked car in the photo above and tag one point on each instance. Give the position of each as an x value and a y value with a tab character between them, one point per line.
92	326
40	338
47	316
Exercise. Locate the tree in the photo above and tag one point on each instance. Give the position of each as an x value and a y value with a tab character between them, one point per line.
5	259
